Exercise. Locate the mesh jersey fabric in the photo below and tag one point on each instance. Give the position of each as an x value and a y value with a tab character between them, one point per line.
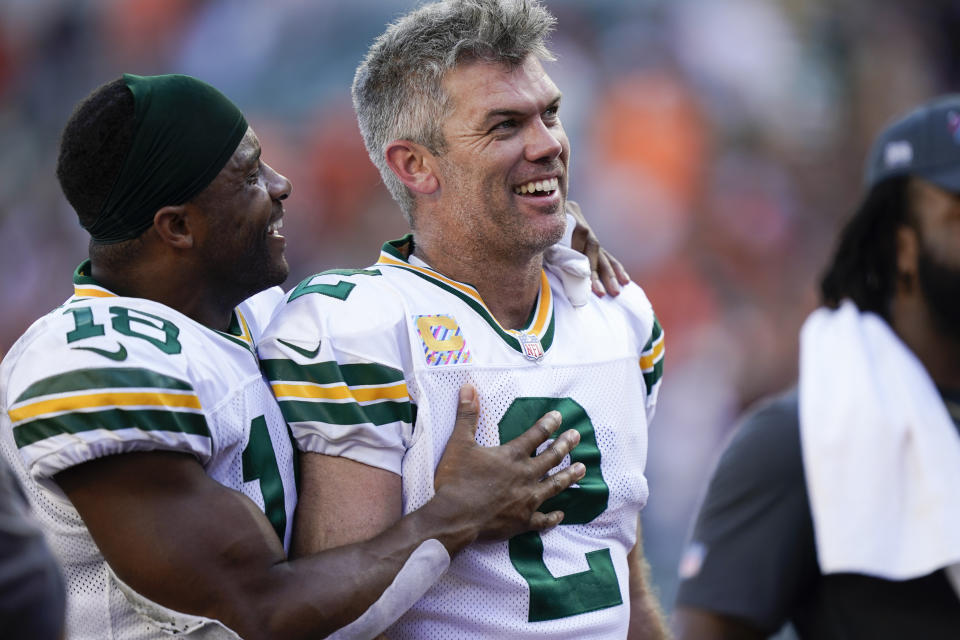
104	375
367	365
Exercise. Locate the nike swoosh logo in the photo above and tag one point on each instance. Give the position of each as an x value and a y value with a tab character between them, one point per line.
118	355
301	350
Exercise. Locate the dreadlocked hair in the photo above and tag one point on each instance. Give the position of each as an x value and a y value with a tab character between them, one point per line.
864	264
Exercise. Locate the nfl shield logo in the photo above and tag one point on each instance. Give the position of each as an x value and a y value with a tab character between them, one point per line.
531	346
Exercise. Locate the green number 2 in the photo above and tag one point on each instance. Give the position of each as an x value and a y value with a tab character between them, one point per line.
260	463
340	291
597	587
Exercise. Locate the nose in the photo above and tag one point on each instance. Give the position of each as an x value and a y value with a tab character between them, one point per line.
277	184
544	142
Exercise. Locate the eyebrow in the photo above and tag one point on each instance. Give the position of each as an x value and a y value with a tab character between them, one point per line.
252	158
514	113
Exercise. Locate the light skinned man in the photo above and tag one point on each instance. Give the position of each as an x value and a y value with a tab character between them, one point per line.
460	117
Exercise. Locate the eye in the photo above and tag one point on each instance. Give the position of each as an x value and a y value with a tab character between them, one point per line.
504	125
254	175
552	112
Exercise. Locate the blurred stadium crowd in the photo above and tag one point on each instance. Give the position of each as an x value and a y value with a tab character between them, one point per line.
717	147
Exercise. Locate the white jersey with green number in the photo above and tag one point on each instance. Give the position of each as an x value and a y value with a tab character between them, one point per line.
367	365
105	375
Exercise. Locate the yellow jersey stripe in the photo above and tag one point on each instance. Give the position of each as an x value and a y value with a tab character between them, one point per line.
95	400
544	301
459	286
85	292
341	392
647	361
245	336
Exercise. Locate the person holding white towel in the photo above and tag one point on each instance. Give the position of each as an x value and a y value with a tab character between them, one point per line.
836	506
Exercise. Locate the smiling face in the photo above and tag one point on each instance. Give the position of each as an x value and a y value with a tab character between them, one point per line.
503	174
242	249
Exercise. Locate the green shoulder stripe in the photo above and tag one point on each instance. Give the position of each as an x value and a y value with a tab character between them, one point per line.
653	377
347	413
107	378
330	372
655	334
113	420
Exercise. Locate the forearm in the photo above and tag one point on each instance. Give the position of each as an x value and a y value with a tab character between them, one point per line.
647	621
356	575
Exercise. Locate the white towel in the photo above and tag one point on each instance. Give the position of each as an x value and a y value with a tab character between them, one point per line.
880	452
571	266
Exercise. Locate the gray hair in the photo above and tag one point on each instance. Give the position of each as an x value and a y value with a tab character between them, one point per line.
398	88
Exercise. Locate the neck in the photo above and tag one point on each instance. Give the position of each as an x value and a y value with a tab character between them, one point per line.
191	298
938	350
508	288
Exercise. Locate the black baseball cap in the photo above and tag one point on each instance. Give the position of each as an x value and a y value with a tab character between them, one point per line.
924	143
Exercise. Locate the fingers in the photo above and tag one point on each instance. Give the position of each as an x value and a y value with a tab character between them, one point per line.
557	452
608	274
528	441
622	276
467	414
540	521
558	482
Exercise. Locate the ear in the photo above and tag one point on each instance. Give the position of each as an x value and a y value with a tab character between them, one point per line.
412	163
174	226
908	253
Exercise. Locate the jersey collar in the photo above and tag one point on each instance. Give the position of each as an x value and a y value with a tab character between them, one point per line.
85	286
540	324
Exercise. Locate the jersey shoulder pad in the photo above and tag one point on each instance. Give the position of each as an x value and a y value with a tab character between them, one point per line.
338	303
99	377
258	309
639	313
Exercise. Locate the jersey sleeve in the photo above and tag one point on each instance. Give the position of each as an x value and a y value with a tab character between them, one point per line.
649	334
333	359
83	385
751	554
257	310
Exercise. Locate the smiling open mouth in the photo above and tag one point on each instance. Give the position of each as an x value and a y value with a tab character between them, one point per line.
274	229
539	187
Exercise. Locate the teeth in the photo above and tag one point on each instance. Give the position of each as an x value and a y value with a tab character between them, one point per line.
541	185
274	228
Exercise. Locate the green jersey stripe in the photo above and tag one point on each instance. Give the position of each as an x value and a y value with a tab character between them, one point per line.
112	420
547	338
81	274
652	377
347	413
655	334
369	374
282	370
473	304
236	340
107	378
393	249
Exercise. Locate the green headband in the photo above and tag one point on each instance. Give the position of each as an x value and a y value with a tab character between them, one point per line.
185	131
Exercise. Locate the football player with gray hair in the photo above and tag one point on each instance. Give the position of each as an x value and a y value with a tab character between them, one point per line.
463	122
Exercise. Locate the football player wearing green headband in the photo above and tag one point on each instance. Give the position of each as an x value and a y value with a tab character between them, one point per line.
151	447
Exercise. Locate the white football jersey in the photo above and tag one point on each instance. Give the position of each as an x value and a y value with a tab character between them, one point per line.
367	365
104	375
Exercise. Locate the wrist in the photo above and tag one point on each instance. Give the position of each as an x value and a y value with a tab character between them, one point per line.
449	521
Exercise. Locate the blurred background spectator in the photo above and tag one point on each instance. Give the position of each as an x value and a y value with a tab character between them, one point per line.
717	147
